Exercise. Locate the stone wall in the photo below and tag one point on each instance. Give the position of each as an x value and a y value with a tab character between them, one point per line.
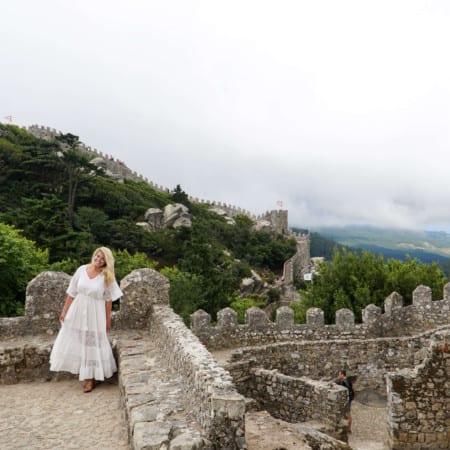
299	399
397	320
25	360
278	220
367	359
285	377
209	388
296	266
419	400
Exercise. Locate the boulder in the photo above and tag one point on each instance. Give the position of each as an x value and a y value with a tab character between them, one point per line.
176	215
154	218
262	225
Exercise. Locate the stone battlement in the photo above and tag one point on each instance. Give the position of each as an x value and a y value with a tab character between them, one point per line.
397	320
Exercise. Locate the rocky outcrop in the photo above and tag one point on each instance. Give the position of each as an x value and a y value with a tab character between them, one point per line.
251	285
176	216
173	216
221	212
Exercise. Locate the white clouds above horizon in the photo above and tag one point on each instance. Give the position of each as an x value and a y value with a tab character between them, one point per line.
339	109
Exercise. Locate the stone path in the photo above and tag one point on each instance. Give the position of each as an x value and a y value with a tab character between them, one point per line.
58	415
369	427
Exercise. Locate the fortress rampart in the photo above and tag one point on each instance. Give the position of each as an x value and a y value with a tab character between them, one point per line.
397	320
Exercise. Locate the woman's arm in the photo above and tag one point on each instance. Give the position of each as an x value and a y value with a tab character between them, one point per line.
66	307
108	306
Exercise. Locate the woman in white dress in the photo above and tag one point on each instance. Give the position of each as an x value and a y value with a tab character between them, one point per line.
82	346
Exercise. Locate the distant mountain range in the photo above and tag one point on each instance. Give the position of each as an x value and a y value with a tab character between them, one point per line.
427	246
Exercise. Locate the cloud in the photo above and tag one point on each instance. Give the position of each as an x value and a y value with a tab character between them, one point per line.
338	109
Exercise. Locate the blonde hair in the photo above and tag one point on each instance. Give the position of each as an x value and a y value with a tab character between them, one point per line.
108	269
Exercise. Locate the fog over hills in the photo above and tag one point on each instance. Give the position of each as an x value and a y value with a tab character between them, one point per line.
425	245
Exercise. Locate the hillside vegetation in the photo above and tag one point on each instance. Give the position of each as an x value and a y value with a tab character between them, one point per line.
65	207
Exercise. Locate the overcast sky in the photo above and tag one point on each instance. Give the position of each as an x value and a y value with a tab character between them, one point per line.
339	109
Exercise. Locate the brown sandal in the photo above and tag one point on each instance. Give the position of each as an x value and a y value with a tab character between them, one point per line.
88	385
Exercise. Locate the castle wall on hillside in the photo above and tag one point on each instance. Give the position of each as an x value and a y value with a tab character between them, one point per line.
299	264
278	219
118	170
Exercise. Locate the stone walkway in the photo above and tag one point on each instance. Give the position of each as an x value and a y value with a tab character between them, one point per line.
369	427
58	415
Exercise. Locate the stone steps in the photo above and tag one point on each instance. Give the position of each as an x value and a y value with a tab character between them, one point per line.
153	400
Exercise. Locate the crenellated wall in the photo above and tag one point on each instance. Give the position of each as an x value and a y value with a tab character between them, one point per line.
397	320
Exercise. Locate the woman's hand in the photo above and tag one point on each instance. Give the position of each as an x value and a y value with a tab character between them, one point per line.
67	304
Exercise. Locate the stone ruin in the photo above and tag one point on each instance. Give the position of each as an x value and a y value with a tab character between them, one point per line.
285	368
196	406
290	369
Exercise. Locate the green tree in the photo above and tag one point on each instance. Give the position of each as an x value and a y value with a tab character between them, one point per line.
20	262
179	196
77	166
94	222
354	280
240	305
187	293
126	262
405	276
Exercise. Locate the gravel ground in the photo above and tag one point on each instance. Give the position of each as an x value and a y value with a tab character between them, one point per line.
58	415
369	427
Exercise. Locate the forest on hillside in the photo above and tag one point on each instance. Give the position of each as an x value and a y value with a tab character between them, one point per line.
56	208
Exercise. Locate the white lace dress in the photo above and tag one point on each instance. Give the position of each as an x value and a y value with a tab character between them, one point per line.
82	346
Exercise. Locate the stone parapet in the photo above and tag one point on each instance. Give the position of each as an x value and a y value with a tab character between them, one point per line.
25	359
397	320
217	406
